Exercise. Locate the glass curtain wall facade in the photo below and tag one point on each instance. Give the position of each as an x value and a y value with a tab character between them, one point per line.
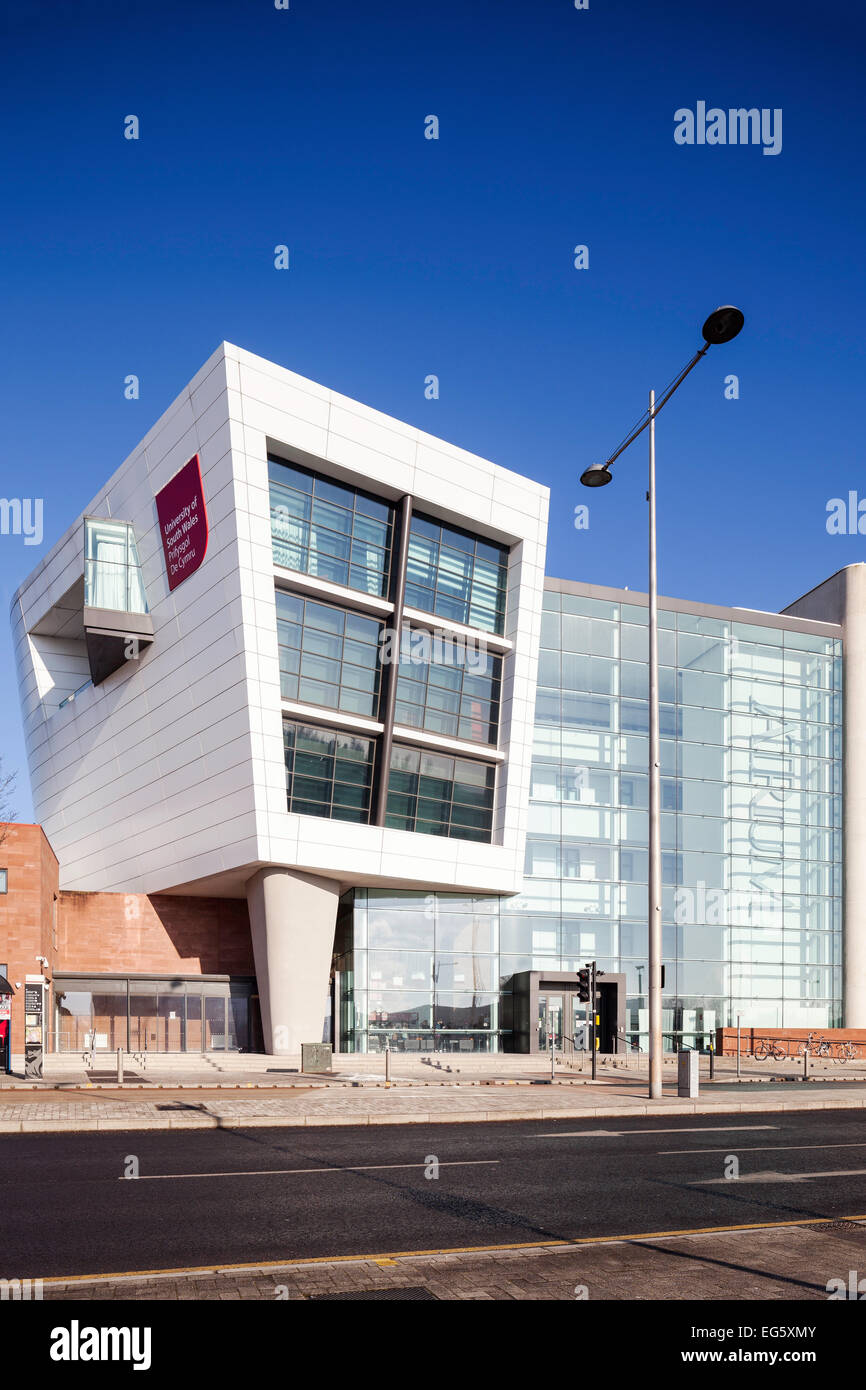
751	844
751	816
418	970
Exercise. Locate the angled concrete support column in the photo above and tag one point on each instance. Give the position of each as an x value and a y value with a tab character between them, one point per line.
292	919
842	599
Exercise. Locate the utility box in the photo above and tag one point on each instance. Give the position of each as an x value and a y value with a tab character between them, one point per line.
687	1074
316	1057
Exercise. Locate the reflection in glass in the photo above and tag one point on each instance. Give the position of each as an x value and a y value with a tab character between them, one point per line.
112	570
751	781
215	1023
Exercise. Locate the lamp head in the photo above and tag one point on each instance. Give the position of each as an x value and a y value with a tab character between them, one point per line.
597	475
723	325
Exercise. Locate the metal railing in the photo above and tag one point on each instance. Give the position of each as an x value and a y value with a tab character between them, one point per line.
815	1045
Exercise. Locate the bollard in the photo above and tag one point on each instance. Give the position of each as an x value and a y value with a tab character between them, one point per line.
688	1083
552	1058
806	1062
120	1066
387	1061
712	1061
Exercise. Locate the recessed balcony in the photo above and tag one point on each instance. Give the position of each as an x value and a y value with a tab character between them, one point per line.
117	625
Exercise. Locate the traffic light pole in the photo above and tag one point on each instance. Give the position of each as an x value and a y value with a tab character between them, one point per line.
587	993
593	995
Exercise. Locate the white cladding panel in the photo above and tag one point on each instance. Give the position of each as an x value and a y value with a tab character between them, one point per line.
172	771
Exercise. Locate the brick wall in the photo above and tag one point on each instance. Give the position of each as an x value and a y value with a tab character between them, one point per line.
101	932
750	1038
26	911
106	933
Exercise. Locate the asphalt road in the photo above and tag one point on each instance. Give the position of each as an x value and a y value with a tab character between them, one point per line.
269	1194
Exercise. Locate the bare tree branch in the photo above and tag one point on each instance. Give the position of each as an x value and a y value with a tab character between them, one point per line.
7	814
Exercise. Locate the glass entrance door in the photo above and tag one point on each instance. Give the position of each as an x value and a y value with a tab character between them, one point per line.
579	1025
215	1023
564	1018
550	1018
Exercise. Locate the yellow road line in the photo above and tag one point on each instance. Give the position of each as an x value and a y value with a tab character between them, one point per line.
394	1255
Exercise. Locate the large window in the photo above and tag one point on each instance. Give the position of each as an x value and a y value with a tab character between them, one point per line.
327	774
456	574
327	656
155	1015
437	795
327	529
112	573
448	688
418	971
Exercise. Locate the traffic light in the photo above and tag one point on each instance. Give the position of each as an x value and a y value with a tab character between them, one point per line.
583	985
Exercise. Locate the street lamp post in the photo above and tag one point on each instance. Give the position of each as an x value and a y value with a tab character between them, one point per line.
656	1040
721	326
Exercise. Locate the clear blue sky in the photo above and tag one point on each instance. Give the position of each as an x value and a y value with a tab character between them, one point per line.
306	127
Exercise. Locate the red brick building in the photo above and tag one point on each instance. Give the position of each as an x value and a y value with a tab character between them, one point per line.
162	973
28	913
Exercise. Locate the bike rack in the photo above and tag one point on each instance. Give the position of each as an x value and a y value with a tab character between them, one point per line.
815	1045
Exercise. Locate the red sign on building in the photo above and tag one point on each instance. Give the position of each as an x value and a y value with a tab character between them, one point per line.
183	522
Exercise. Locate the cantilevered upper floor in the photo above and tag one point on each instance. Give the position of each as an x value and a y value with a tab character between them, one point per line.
288	630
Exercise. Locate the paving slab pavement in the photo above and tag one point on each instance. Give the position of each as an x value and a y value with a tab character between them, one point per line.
449	1069
86	1110
783	1263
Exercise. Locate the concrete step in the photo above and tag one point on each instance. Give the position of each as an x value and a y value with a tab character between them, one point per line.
228	1064
374	1061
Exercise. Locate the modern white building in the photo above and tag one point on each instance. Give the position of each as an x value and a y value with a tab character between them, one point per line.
322	753
288	649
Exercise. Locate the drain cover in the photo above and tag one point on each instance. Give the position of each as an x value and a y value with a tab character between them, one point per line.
419	1294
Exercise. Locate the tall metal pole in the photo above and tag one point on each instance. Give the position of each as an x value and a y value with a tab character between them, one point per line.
594	997
655	854
722	326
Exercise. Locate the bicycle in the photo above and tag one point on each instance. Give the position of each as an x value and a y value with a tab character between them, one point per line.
816	1046
770	1048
